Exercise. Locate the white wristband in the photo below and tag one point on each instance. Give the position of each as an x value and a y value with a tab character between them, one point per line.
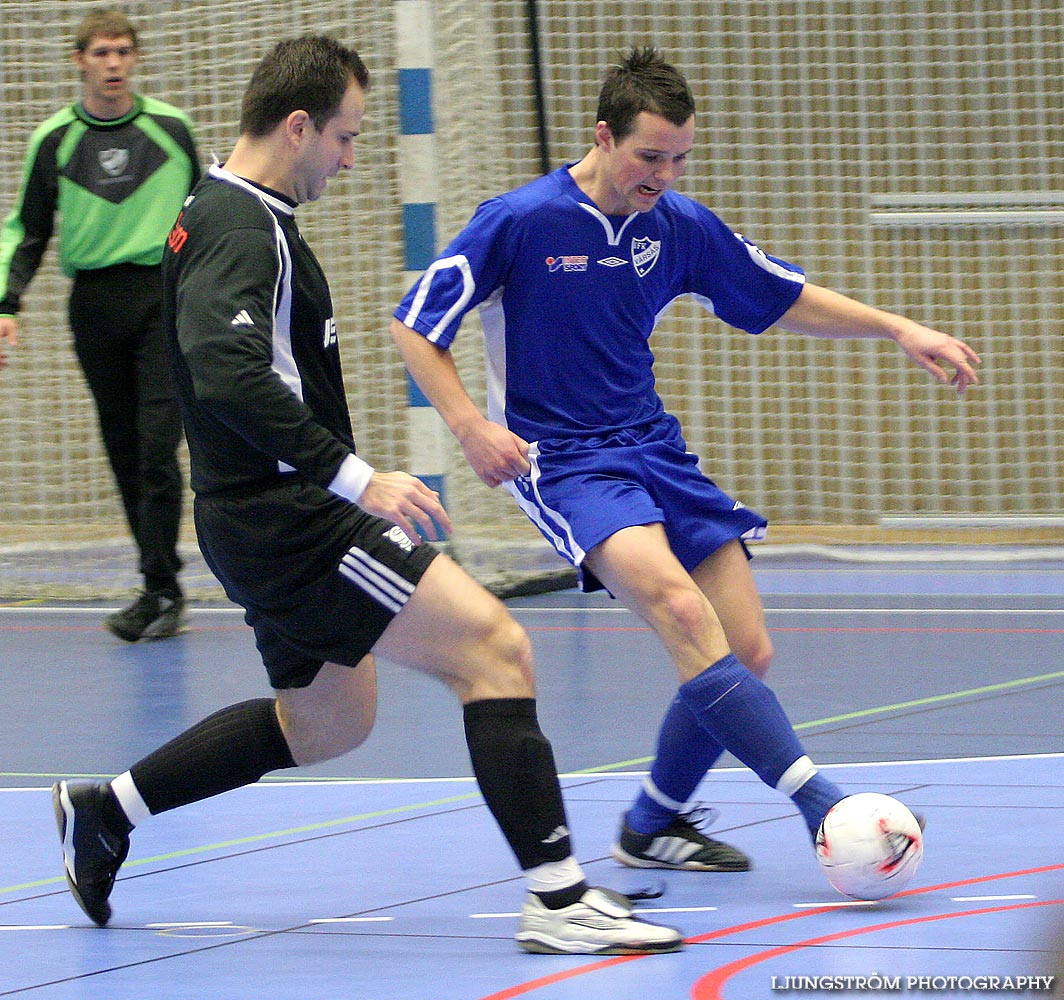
351	479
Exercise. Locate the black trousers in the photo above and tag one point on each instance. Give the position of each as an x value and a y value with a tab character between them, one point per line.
115	316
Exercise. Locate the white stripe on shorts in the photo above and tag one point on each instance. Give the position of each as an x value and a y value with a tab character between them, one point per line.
566	547
384	585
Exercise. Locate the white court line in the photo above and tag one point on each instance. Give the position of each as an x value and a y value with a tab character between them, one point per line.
103	609
988	899
938	760
609	775
638	910
915	611
841	903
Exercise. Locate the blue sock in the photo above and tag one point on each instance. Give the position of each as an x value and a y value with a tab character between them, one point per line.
815	798
685	752
745	717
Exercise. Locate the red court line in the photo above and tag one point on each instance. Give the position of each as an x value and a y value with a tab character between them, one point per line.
709	986
522	989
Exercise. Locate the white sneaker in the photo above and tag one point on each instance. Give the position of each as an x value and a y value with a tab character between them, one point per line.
601	923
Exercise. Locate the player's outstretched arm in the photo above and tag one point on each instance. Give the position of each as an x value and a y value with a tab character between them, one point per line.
821	312
405	500
9	335
494	453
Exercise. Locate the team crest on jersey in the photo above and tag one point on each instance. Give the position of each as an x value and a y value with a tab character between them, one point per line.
330	333
114	161
645	252
570	262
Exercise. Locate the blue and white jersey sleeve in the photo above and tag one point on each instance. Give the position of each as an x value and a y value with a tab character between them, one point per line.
731	277
462	277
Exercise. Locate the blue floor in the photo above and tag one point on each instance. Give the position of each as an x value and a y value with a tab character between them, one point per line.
381	877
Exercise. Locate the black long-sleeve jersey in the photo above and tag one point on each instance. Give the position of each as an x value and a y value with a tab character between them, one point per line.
253	341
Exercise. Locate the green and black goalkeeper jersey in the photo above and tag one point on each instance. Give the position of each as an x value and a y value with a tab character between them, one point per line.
117	187
256	361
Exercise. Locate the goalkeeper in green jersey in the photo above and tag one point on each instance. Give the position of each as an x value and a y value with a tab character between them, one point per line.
115	168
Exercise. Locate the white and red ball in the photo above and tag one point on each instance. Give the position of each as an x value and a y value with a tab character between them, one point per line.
869	846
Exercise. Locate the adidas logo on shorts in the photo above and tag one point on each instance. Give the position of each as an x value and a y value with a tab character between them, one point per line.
397	535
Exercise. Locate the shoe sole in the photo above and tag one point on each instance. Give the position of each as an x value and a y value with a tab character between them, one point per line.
536	945
165	633
621	855
149	633
120	632
64	814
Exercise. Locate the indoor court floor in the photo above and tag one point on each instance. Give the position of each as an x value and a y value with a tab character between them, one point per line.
380	876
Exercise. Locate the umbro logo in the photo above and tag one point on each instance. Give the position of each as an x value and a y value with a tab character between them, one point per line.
612	262
242	318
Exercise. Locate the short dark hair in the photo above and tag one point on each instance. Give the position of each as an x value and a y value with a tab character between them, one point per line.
643	81
310	73
103	24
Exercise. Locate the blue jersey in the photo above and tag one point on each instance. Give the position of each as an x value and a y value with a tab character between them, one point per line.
569	298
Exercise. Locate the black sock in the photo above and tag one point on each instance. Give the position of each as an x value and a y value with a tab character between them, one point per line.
227	750
167	586
514	766
563	897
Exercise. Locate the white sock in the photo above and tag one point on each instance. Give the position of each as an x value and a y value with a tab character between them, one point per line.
129	799
554	875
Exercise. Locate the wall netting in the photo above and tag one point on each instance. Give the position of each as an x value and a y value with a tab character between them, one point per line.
907	154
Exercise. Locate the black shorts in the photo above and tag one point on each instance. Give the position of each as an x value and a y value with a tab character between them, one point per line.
319	578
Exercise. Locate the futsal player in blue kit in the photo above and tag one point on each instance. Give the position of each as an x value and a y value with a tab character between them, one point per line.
571	273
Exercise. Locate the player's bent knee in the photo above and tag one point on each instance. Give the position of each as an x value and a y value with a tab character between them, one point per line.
757	658
687	610
315	744
320	731
518	654
503	667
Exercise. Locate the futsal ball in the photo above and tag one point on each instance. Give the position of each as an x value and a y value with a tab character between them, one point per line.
869	846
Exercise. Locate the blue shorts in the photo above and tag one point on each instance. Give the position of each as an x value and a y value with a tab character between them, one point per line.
582	490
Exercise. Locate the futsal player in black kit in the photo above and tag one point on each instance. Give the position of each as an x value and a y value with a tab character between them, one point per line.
319	548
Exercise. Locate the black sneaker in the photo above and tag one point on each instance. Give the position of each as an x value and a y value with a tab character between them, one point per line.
153	615
92	851
680	846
